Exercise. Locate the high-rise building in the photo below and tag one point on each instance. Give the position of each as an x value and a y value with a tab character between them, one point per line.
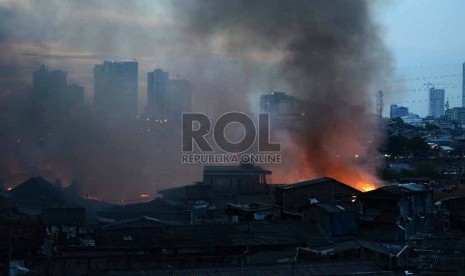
463	84
115	85
53	97
436	102
398	111
179	98
48	85
49	94
157	94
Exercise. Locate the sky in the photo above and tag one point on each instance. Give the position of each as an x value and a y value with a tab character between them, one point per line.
427	41
425	38
231	60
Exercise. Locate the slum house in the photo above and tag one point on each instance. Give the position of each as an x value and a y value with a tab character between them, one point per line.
240	213
395	212
454	212
206	201
21	236
293	197
442	254
319	268
158	208
216	239
335	219
243	179
150	243
65	225
390	256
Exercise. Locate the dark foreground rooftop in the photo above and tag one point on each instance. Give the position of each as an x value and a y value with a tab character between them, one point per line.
327	268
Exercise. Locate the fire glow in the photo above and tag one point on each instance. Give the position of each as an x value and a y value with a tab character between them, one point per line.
359	180
352	171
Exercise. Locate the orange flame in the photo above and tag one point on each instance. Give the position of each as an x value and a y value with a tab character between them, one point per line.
345	172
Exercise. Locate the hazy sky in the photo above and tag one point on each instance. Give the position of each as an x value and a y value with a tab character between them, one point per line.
427	40
233	59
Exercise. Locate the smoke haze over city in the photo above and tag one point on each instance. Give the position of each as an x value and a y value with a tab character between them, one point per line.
329	54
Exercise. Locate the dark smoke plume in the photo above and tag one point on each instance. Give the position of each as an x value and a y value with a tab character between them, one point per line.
330	54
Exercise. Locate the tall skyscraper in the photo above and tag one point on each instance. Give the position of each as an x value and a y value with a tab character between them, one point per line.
49	94
48	85
436	102
167	99
157	94
179	98
115	85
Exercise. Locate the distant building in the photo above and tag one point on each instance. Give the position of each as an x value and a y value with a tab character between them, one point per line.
413	119
49	84
157	94
179	98
167	99
398	111
456	114
280	104
436	102
115	85
52	96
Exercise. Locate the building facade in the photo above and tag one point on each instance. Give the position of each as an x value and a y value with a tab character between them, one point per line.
279	104
395	212
48	84
115	85
242	179
157	94
52	96
436	102
456	114
398	111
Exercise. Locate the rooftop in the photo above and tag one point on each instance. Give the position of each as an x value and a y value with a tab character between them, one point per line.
397	190
314	182
241	169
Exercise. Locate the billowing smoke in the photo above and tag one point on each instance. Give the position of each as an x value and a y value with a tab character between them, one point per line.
327	53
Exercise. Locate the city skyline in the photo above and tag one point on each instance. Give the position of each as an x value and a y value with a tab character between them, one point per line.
414	65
